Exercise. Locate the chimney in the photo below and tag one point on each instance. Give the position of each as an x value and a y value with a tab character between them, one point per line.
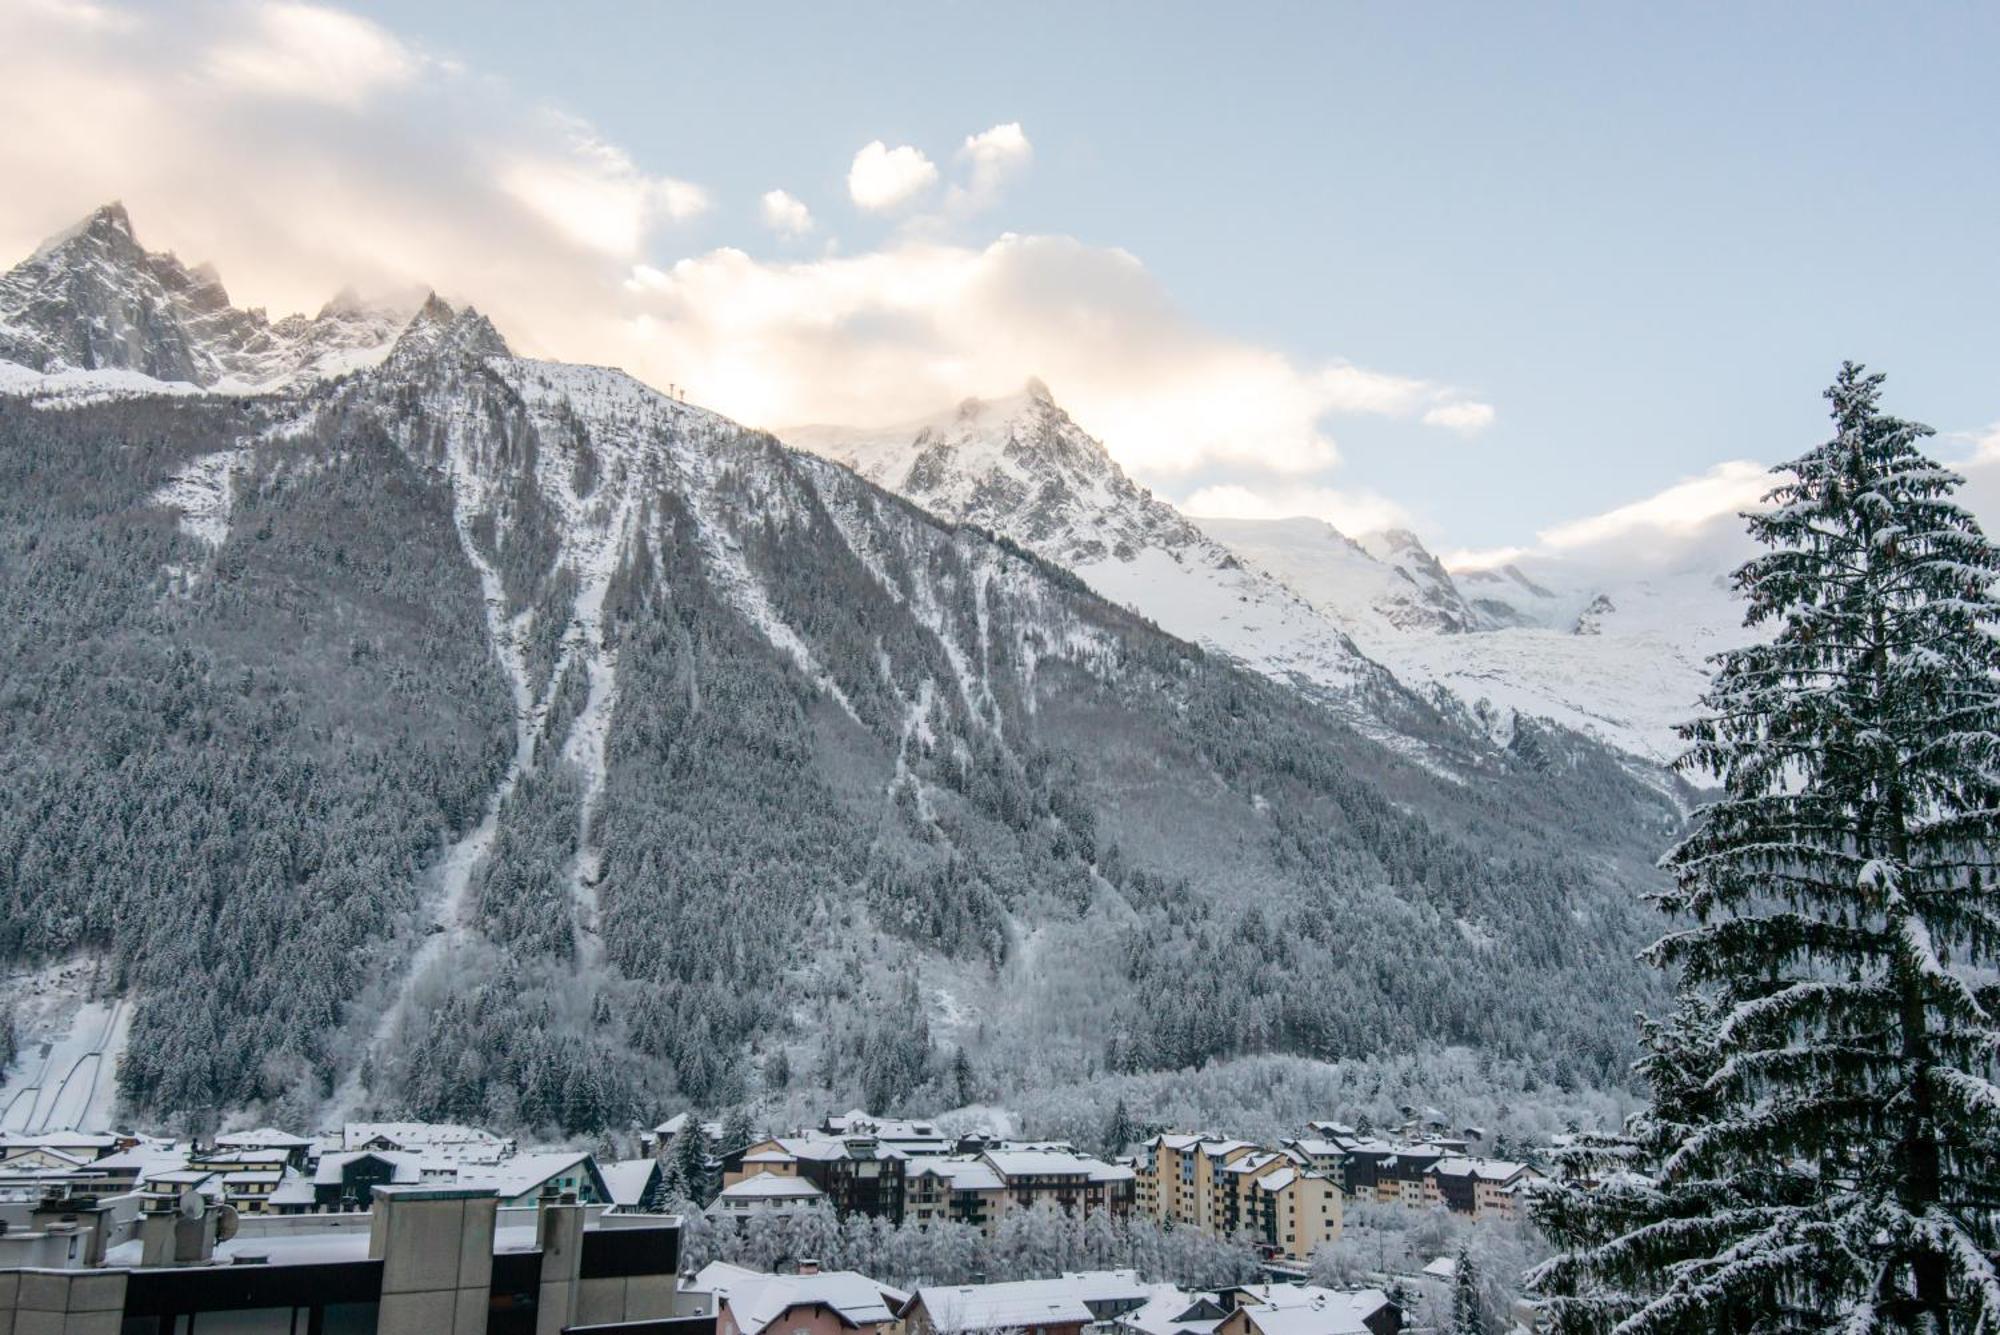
808	1265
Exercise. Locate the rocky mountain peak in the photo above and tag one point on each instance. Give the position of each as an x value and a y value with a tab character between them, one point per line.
438	331
93	299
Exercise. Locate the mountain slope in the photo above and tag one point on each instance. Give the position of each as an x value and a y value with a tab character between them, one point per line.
1620	657
1020	467
1379	586
487	738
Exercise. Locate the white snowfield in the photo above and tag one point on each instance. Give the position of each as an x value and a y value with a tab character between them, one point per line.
1621	657
65	1076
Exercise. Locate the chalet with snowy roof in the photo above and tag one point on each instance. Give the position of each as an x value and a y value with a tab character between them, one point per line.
631	1184
521	1180
1030	1307
857	1174
661	1138
960	1188
298	1149
765	1196
811	1302
1482	1188
1172	1311
1307	1309
347	1180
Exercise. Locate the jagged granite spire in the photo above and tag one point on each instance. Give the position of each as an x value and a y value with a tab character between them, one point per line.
93	298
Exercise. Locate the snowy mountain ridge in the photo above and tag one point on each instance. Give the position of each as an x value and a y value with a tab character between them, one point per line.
1022	468
562	747
1358	621
1620	655
92	309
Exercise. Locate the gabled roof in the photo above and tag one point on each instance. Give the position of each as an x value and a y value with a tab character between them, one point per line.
964	1173
757	1300
998	1307
770	1187
1308	1309
627	1180
519	1174
263	1136
408	1135
404	1166
1041	1163
1172	1311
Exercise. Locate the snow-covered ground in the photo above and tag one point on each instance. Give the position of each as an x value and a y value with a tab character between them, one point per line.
1618	654
64	1077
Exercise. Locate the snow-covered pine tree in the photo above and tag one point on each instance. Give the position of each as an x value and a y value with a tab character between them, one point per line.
737	1131
1843	916
1468	1309
1617	1223
690	1161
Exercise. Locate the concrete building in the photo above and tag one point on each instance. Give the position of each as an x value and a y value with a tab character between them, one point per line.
425	1260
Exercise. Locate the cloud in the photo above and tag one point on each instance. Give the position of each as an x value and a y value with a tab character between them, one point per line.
304	149
886	336
593	192
1350	511
1465	417
439	176
1694	523
885	179
992	157
785	215
297	51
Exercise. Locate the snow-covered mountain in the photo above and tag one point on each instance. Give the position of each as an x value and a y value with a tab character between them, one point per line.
503	740
1620	654
1367	622
92	308
1378	585
1021	468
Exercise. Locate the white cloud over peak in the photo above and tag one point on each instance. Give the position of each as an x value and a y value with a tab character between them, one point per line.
1350	511
311	53
593	192
992	158
444	178
1693	523
879	338
785	215
884	179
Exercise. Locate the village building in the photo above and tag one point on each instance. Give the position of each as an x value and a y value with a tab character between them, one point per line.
766	1196
811	1302
1307	1309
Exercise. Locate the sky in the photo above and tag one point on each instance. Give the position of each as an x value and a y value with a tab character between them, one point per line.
1525	278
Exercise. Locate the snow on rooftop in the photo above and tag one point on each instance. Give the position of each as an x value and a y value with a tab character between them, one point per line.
771	1186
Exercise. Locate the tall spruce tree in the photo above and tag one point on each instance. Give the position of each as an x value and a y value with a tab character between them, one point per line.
1832	1156
1468	1307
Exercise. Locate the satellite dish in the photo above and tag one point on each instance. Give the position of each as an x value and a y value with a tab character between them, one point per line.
192	1206
226	1221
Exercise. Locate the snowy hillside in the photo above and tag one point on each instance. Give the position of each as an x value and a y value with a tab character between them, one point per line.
1618	653
1377	586
502	740
1020	467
